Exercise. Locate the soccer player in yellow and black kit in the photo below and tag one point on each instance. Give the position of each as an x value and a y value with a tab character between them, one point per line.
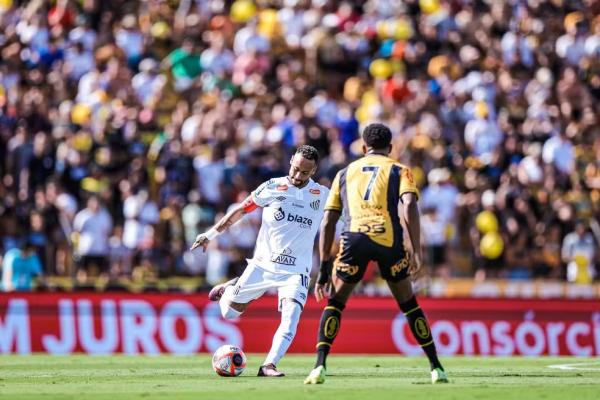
367	194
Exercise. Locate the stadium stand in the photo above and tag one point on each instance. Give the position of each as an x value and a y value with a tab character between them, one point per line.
127	127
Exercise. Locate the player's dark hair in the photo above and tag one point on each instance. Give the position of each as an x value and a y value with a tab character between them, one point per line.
308	152
27	244
377	136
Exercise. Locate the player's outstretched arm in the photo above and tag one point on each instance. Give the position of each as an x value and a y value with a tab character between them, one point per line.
325	242
412	222
233	216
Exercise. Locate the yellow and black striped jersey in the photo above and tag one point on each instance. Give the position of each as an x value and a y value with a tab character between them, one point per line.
367	193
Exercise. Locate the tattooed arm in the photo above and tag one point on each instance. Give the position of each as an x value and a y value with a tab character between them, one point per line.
224	223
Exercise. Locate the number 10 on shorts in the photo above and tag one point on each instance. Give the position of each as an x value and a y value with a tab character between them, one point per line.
304	280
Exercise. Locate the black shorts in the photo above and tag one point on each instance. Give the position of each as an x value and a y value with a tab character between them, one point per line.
437	254
99	262
357	249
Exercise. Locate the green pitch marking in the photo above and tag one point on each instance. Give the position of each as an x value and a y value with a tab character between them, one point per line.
349	377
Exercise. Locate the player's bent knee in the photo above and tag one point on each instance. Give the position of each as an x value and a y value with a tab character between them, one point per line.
227	311
229	308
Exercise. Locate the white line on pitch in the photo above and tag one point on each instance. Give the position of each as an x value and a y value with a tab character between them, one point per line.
577	366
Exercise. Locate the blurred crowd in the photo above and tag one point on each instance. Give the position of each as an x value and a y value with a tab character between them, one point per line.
128	127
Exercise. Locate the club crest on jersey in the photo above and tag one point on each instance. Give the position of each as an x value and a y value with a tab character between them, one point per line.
408	175
279	214
282	188
315	191
315	205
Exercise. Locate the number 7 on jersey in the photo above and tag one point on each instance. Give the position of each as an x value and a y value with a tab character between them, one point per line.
373	171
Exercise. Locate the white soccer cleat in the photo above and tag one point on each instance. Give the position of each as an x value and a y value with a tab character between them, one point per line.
438	376
316	376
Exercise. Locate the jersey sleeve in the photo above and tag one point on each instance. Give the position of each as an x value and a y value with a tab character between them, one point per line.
334	200
407	182
36	265
263	195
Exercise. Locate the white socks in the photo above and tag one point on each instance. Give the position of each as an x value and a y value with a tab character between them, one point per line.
290	315
226	311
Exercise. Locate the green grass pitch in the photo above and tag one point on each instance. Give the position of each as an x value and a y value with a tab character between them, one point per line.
350	377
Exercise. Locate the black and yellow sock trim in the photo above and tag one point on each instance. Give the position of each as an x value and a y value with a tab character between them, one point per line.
412	310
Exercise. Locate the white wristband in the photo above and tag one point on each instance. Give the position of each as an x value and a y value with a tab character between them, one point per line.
211	233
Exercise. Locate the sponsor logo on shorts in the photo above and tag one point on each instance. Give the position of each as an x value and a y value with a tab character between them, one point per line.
283	259
315	205
397	268
348	269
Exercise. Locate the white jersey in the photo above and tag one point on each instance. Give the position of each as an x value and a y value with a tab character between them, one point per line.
290	221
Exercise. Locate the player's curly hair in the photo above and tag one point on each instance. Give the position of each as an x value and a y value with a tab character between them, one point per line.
377	136
308	152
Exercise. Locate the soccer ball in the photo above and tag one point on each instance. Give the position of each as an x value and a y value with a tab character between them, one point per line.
229	360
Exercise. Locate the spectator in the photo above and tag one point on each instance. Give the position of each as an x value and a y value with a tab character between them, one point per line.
482	136
40	241
141	214
19	267
441	195
78	61
558	151
435	233
129	38
119	256
549	264
210	174
93	225
579	252
148	84
185	65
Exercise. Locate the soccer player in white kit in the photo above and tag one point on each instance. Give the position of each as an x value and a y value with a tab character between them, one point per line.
293	207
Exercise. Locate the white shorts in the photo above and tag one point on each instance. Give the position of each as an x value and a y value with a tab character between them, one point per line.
255	281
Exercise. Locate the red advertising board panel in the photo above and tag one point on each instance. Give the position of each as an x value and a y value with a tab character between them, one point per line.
106	323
